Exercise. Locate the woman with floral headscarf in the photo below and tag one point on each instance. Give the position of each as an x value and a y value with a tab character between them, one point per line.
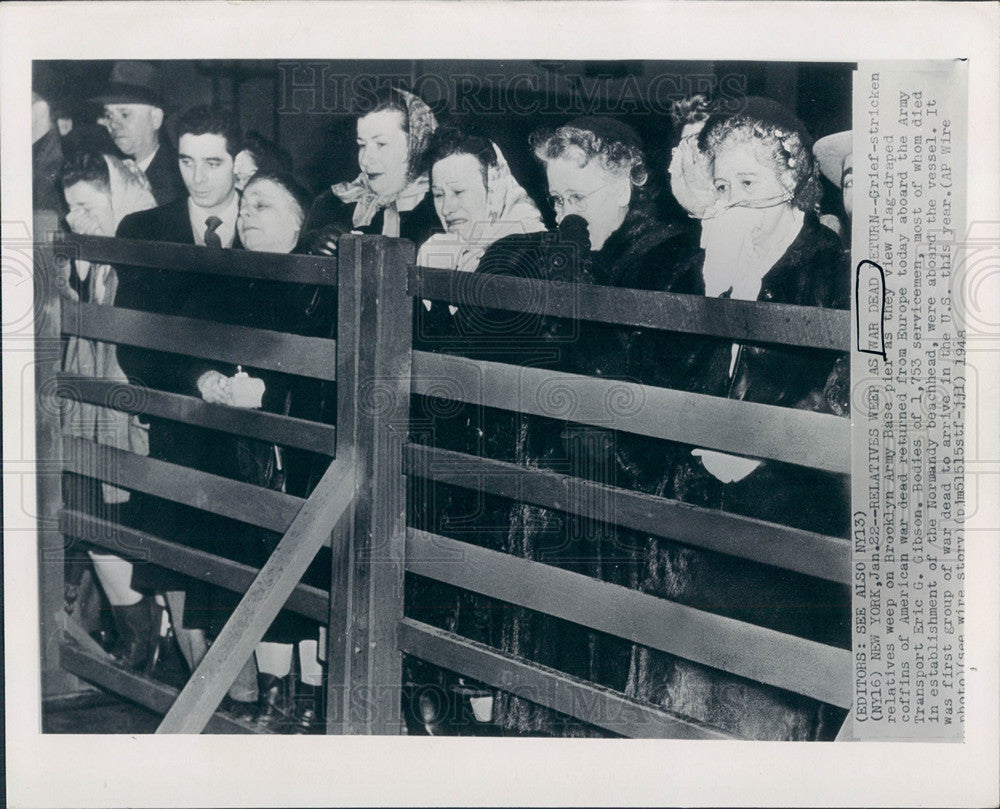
478	201
390	196
100	191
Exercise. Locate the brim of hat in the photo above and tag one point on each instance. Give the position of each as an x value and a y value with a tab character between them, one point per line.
830	153
127	94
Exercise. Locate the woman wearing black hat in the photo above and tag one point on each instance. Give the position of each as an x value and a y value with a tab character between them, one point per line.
751	180
762	241
597	171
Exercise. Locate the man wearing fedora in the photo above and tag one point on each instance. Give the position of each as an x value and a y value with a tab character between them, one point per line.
133	114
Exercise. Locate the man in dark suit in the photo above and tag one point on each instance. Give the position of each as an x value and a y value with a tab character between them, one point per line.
208	142
207	215
133	115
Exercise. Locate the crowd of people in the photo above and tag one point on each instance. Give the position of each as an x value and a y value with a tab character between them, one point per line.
750	183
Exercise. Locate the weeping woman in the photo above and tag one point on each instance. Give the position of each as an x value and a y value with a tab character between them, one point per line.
751	180
478	201
100	191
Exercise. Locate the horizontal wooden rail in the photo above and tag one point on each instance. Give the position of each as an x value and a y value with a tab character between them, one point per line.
744	428
256	348
270	427
795	664
145	691
229	498
754	321
134	544
189	258
569	695
817	555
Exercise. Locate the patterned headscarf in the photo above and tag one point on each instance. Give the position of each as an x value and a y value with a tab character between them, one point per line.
509	209
420	123
507	203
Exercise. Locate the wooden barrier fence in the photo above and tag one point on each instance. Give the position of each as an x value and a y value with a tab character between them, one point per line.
359	507
794	436
358	498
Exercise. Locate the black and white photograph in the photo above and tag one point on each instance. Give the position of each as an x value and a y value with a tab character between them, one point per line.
523	477
495	402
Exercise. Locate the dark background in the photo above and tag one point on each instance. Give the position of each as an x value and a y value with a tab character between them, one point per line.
307	105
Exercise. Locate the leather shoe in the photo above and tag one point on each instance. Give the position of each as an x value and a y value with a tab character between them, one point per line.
308	713
138	627
238	709
276	702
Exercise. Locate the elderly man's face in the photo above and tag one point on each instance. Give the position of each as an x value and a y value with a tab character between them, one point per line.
134	128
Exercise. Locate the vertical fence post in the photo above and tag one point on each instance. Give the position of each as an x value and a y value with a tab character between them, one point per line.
339	634
374	344
48	465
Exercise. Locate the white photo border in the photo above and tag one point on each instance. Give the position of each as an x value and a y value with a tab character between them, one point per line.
56	770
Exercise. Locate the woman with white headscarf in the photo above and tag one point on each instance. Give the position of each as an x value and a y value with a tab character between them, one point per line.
390	196
478	202
100	191
477	199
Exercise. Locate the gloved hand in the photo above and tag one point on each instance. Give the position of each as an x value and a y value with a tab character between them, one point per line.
324	240
727	468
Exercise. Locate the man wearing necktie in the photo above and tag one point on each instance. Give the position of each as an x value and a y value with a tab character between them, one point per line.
208	142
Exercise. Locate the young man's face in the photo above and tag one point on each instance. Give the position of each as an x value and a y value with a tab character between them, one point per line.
134	128
207	169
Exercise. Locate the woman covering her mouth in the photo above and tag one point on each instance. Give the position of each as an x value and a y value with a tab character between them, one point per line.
390	195
100	191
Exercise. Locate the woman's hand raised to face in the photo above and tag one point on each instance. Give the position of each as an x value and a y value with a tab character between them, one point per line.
85	223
